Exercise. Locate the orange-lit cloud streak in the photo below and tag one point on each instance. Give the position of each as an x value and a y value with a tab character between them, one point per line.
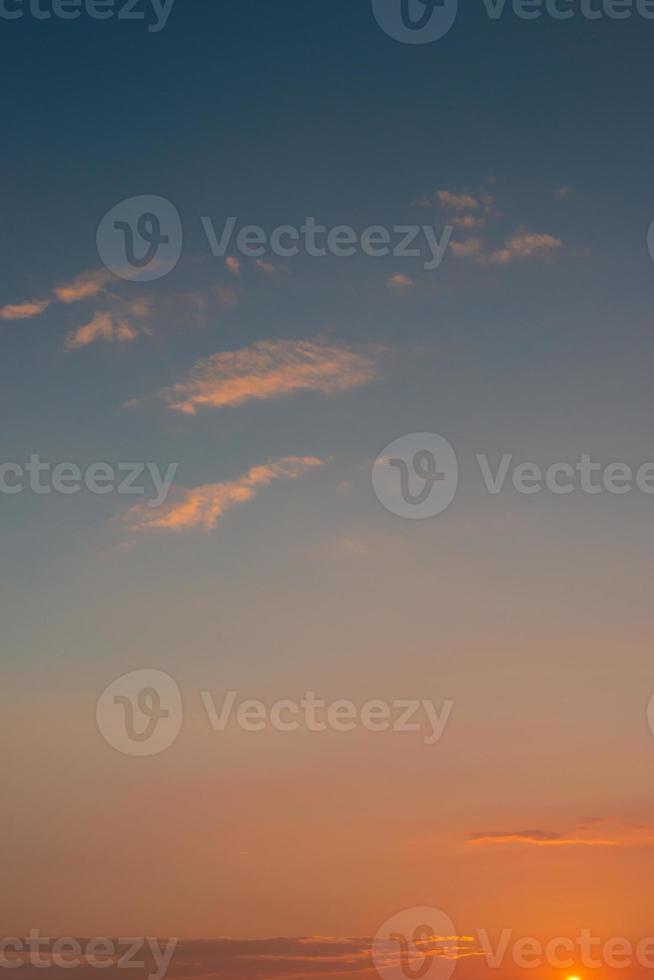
203	506
24	311
535	838
270	369
115	324
85	286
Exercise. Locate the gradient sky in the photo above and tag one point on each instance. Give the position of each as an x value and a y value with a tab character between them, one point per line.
532	613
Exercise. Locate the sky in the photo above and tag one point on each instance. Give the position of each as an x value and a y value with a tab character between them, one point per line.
265	404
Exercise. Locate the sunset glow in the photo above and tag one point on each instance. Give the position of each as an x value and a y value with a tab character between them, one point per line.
327	489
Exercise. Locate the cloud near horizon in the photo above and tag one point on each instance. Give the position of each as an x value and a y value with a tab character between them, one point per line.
281	957
203	506
535	838
271	369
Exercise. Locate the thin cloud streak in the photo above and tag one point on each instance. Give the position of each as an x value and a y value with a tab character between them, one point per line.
283	957
112	325
84	286
24	311
535	838
525	245
203	506
270	369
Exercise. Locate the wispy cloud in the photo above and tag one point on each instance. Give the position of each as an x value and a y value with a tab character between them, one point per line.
536	838
233	265
471	247
24	311
85	286
271	369
457	202
268	267
473	211
398	281
330	957
467	221
203	506
525	245
115	324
